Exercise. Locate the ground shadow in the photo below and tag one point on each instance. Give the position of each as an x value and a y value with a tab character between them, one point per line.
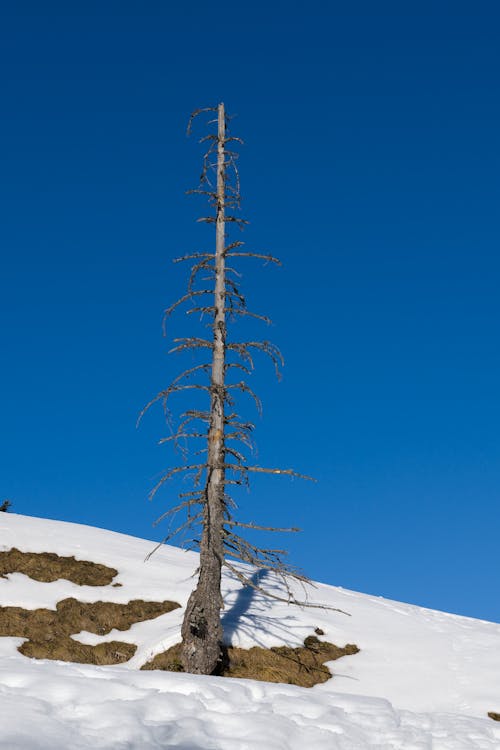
231	618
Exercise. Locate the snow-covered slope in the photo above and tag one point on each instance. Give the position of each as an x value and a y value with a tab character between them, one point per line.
422	680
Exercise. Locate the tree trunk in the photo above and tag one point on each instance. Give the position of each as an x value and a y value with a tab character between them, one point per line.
202	628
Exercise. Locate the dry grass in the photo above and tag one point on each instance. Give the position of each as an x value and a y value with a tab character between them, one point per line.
304	666
494	716
48	567
49	631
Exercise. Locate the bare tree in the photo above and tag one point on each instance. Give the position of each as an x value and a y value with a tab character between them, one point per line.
225	437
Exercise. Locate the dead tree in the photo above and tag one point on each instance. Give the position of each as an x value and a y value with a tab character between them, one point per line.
224	435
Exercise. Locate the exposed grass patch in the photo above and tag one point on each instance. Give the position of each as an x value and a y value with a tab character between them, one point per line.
48	567
304	666
49	632
494	716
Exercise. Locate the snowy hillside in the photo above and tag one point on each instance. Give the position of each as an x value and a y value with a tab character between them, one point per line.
423	680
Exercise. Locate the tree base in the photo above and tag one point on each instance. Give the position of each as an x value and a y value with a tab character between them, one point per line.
202	650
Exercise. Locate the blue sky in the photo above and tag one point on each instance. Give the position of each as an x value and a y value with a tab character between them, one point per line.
370	167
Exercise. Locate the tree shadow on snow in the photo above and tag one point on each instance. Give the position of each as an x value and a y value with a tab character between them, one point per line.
245	597
248	613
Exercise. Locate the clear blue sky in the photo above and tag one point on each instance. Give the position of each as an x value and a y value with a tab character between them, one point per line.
370	167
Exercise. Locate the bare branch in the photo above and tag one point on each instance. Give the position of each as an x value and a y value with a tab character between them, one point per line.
190	371
191	415
192	257
180	435
268	258
186	525
208	310
164	396
232	245
260	528
203	265
237	365
199	191
240	437
266	347
172	472
239	311
261	470
185	298
191	343
244	388
229	219
177	508
233	420
236	454
195	114
193	493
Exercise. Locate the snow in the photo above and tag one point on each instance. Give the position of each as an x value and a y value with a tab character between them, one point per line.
423	680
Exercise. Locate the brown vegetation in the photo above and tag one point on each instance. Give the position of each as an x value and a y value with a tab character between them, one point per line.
494	716
48	567
49	631
304	666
